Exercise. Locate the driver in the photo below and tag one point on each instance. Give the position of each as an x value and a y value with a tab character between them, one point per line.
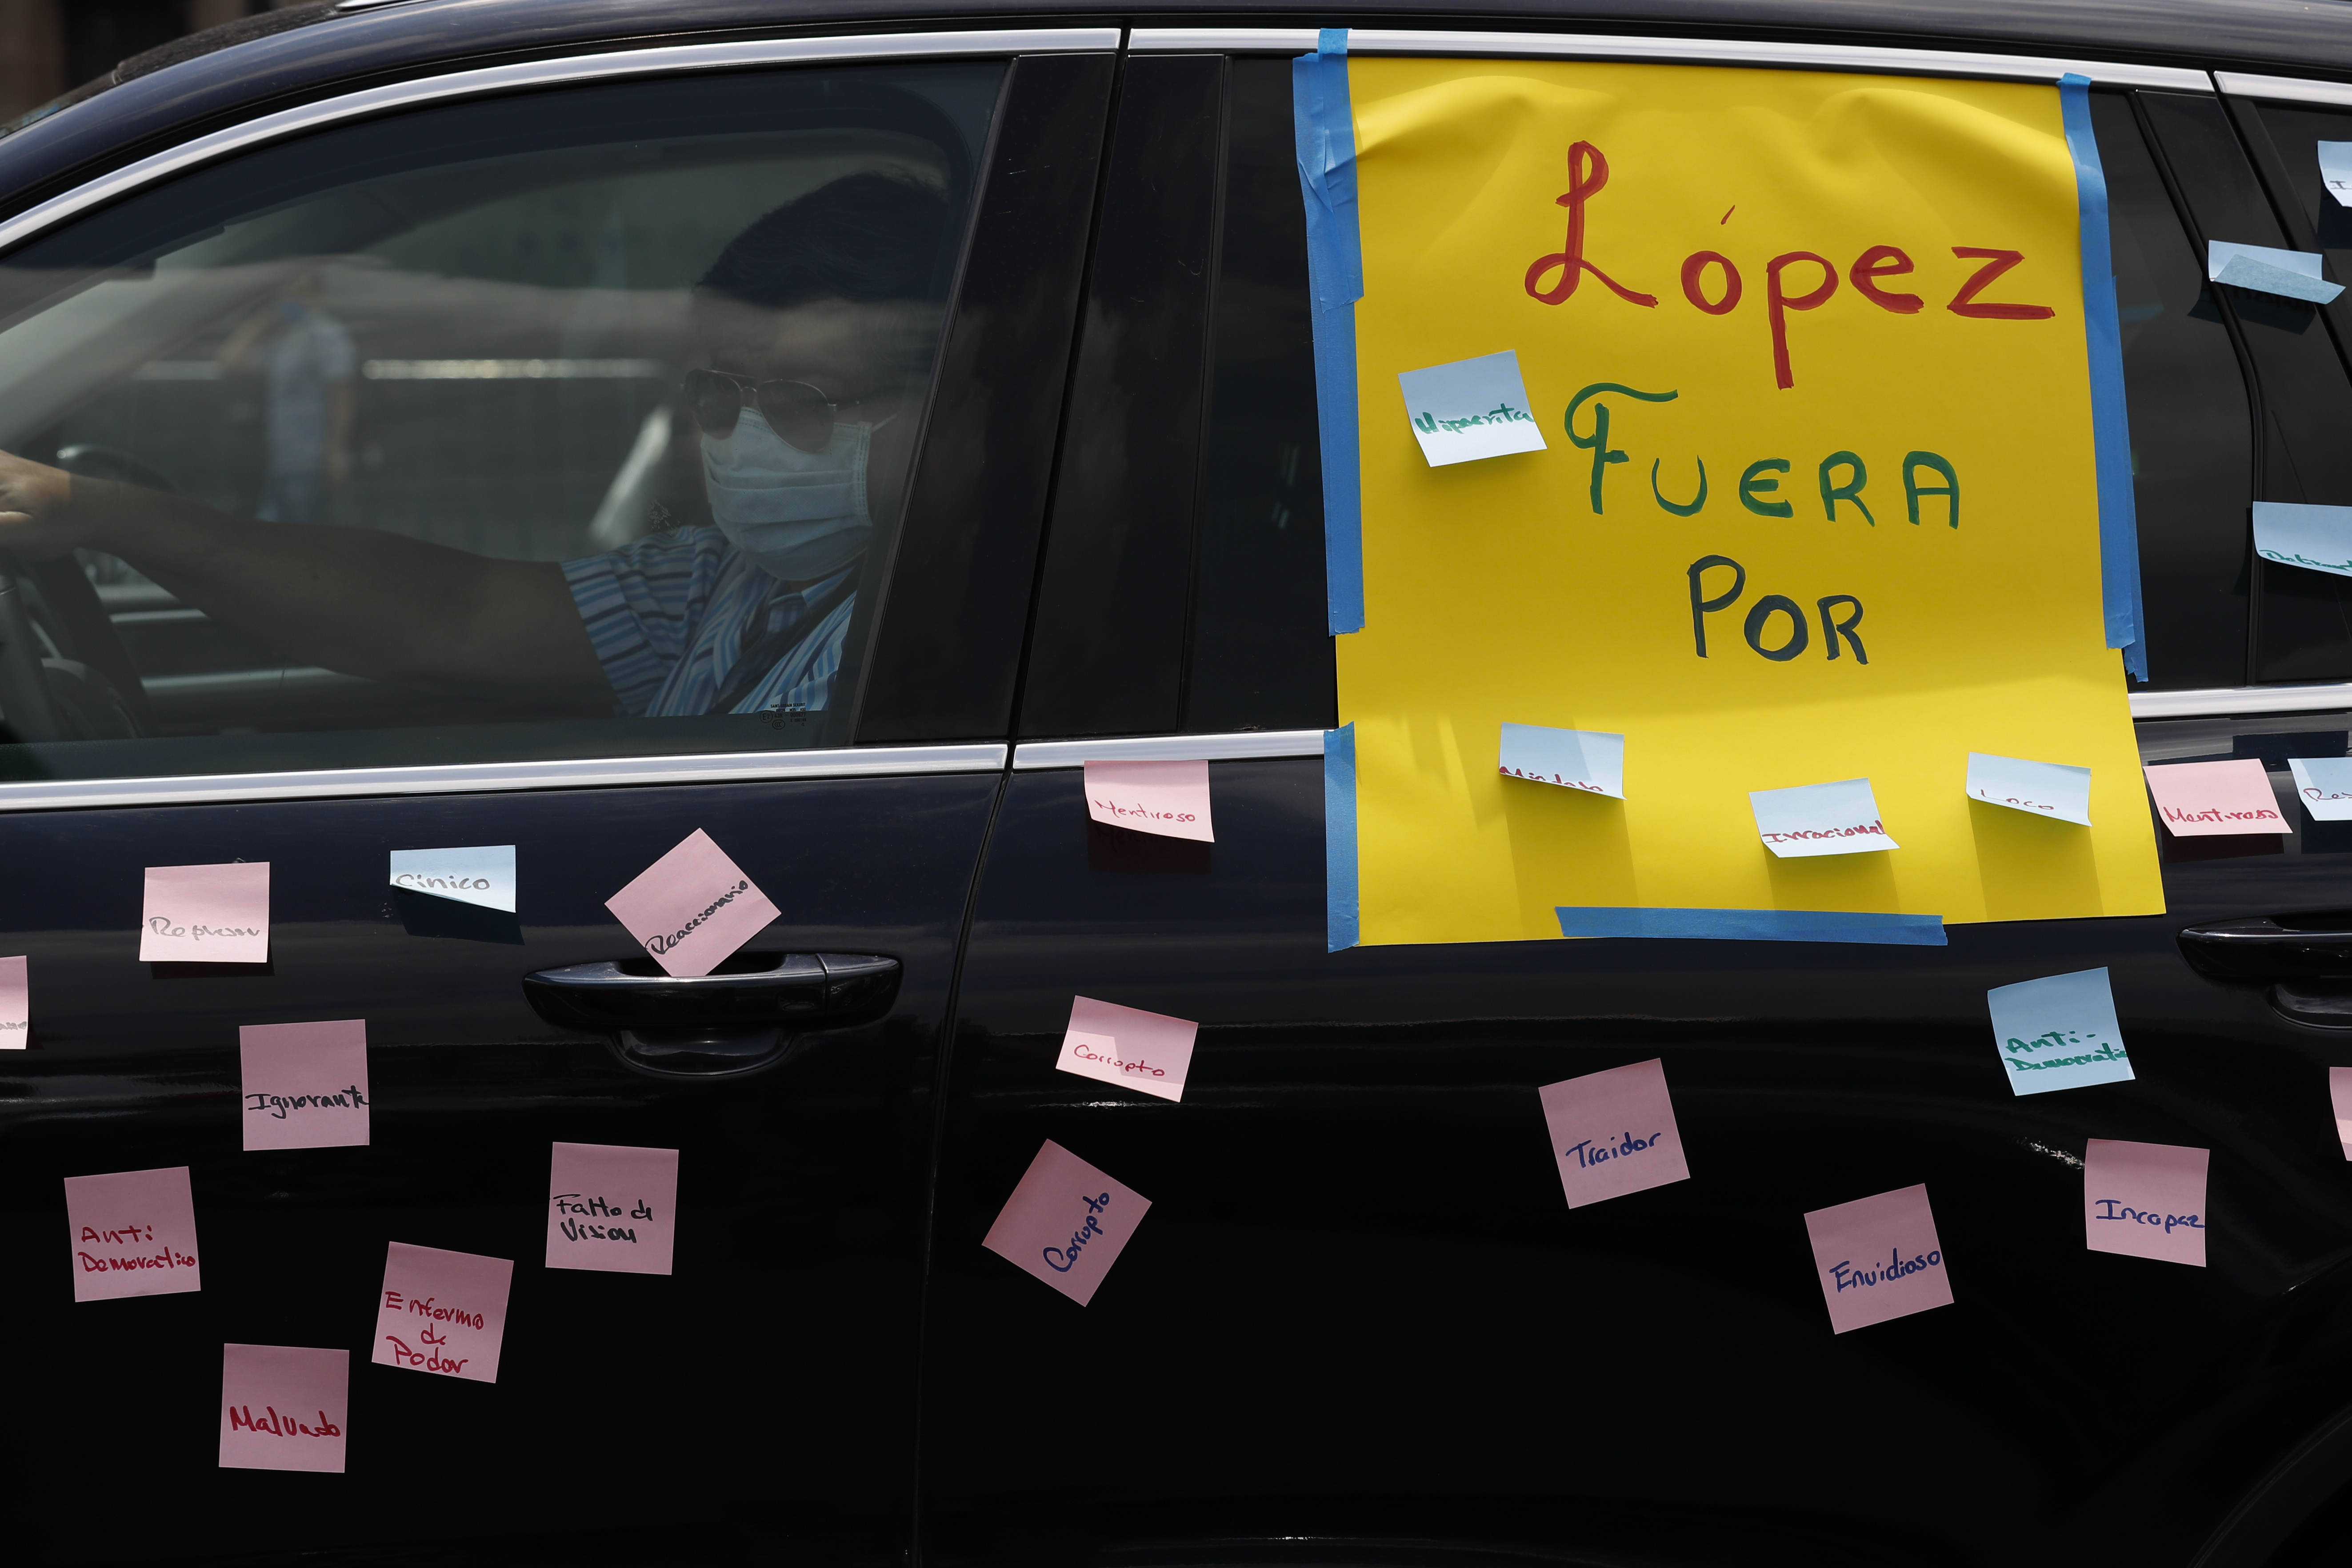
816	324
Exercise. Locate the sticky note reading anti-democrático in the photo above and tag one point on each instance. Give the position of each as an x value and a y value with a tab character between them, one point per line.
132	1233
2058	1032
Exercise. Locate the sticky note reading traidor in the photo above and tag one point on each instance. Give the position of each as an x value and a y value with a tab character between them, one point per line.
2340	1095
2316	538
482	874
1470	409
134	1234
1613	1132
1820	819
441	1313
2197	799
611	1207
1171	799
2323	784
1065	1223
284	1407
1111	1044
15	1005
1591	760
1879	1259
306	1085
2144	1199
2038	789
2059	1032
2293	274
692	908
206	914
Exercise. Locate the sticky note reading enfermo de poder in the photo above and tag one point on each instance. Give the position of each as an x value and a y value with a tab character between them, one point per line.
1065	1223
1613	1132
1171	799
692	908
1879	1259
2147	1199
1470	409
443	1312
1839	818
2198	799
1111	1044
1593	761
2059	1032
482	874
2051	790
206	914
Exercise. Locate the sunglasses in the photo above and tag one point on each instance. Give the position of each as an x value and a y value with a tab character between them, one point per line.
798	413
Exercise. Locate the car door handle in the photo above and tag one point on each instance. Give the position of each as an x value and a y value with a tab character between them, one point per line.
2313	947
752	1012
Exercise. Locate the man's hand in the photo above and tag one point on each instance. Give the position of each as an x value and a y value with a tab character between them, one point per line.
37	511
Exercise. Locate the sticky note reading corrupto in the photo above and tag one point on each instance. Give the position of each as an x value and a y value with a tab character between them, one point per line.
2335	171
134	1234
284	1407
15	1005
1839	818
2059	1032
1879	1259
1111	1044
443	1312
692	908
1593	761
1065	1223
2323	784
2147	1199
2291	274
1171	799
2201	799
2315	538
206	914
2051	790
1613	1132
611	1207
306	1085
1470	409
482	874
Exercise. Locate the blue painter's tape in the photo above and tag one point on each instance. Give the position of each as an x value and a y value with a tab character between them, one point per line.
1340	837
1755	925
1323	127
2126	616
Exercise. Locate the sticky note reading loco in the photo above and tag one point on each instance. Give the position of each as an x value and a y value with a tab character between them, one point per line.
441	1313
1065	1223
1879	1259
284	1407
206	914
1470	409
306	1085
1111	1044
1589	760
2325	786
2198	799
2059	1032
692	908
1820	819
1613	1132
16	1005
2147	1199
134	1234
482	874
2052	790
1171	799
611	1207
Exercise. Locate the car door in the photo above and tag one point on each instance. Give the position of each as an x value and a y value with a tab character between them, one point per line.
448	317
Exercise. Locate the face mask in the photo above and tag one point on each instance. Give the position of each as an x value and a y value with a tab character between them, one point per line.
798	515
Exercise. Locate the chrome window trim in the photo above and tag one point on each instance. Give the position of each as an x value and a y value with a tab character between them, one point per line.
1681	51
2292	89
547	73
2222	700
1224	748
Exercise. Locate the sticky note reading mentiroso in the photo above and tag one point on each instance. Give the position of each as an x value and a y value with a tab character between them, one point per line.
2201	799
16	1005
2292	274
133	1234
1591	760
2052	790
692	908
1820	819
611	1207
2147	1199
1065	1223
2335	171
284	1407
2315	538
1879	1259
2323	784
2340	1095
2059	1032
1171	799
441	1313
1111	1044
1613	1132
306	1085
482	874
206	914
1470	409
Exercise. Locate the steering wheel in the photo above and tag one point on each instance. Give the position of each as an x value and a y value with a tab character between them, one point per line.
91	692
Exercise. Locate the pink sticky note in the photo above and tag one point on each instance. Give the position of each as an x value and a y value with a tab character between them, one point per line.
16	1005
2144	1199
1149	1051
284	1407
1171	799
442	1312
2339	1092
134	1234
1065	1223
611	1207
1879	1259
206	914
2193	798
306	1085
1613	1132
692	908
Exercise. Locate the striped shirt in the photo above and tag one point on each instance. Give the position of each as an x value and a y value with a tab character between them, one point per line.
669	615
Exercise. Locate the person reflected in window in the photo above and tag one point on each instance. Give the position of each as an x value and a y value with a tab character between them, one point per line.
306	360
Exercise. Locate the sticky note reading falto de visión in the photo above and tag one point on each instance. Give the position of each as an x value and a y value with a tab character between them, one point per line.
1839	818
2147	1199
1470	409
2059	1032
1613	1132
284	1407
133	1234
480	874
1111	1044
1593	761
1878	1258
1065	1223
1170	798
206	914
611	1207
443	1312
2051	790
2206	799
2323	784
692	908
305	1084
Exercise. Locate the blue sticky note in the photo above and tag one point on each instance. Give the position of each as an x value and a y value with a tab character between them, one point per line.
482	874
2293	274
2052	790
2323	784
2317	537
1839	818
1589	759
1470	409
2335	171
2059	1032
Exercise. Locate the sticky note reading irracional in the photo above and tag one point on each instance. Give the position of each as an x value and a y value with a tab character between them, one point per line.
206	914
2198	799
1065	1223
2052	790
1839	818
2292	274
306	1085
1171	799
482	874
1470	409
1879	1259
1591	760
1111	1044
133	1234
15	1005
2323	784
611	1207
2059	1032
1613	1132
2335	171
2147	1199
692	908
443	1312
284	1407
2315	538
2339	1096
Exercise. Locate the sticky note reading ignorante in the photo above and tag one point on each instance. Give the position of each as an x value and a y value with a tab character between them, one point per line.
206	914
15	1005
1171	799
2144	1199
1065	1223
482	874
1470	409
1879	1259
1593	761
611	1207
1613	1132
133	1234
2340	1095
441	1313
306	1085
284	1407
2293	274
2315	538
2052	790
2198	799
1820	819
2335	171
692	908
2059	1032
2323	784
1111	1044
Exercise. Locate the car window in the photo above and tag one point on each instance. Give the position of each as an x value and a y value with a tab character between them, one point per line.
485	432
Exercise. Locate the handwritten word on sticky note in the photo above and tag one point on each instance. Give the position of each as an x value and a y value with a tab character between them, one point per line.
2340	1095
1065	1223
611	1207
2059	1032
1613	1132
2198	799
1591	760
206	914
1820	819
1470	409
1879	1259
482	874
306	1085
441	1313
2292	274
2323	784
2052	790
15	1005
1171	799
284	1407
2335	171
1111	1044
692	908
134	1234
2147	1199
2316	538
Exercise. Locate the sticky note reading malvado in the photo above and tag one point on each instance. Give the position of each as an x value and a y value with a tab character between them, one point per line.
482	874
1470	409
284	1407
1591	760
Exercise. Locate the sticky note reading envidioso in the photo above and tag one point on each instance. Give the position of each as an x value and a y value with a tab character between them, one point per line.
2335	171
2201	799
2144	1199
2058	1032
1111	1044
206	914
2339	1096
692	908
284	1407
1820	819
1589	759
2315	538
2292	274
2052	790
1879	1259
1613	1132
443	1312
306	1085
1065	1223
15	1005
611	1207
1470	409
2323	784
1171	799
480	874
133	1234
